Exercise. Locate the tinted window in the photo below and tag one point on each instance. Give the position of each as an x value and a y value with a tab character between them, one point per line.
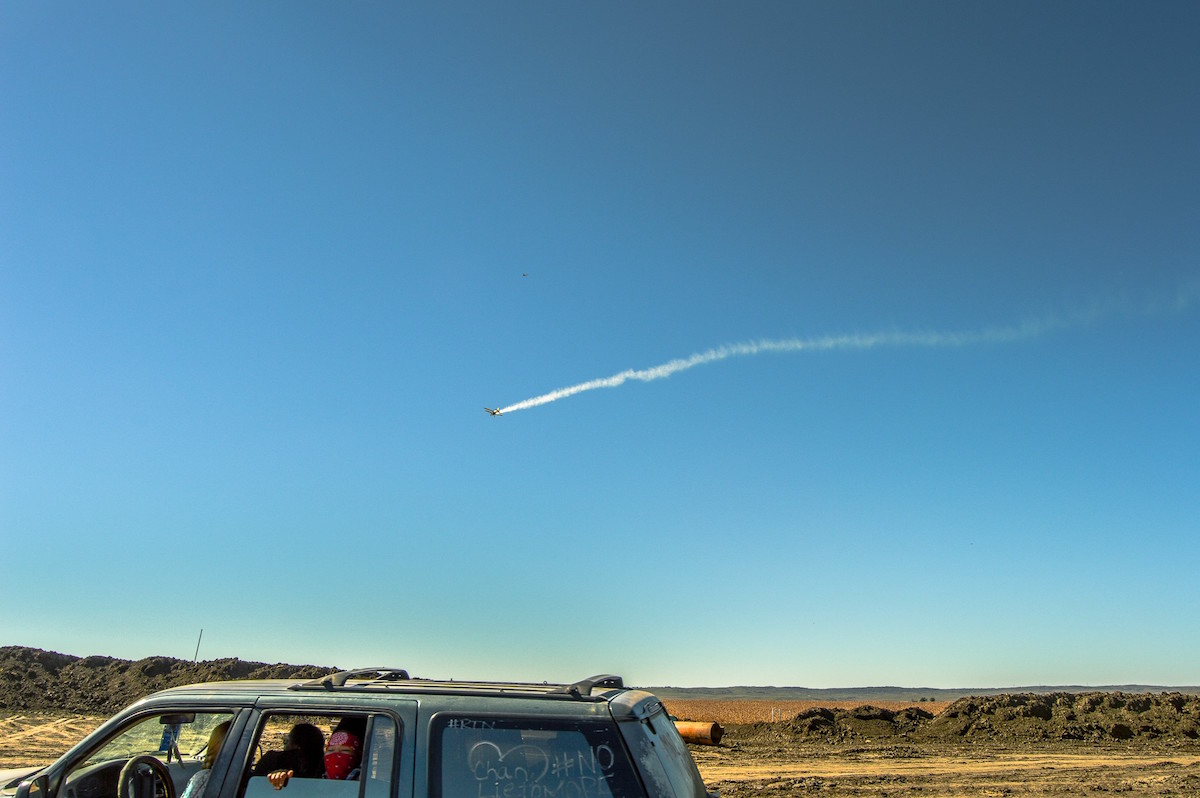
483	757
665	764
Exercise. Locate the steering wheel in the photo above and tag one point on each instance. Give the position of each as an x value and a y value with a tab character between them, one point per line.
144	784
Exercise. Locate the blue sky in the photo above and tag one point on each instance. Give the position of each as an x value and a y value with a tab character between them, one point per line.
262	266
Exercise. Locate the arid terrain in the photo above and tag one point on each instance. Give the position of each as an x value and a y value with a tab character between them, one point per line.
1006	745
1024	744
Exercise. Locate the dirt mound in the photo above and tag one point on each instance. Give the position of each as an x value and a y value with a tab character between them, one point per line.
863	722
45	681
1017	717
1069	716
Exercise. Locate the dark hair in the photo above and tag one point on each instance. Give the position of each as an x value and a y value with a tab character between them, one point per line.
310	742
354	725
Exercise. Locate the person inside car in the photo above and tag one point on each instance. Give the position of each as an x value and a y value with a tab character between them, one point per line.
343	753
196	784
301	755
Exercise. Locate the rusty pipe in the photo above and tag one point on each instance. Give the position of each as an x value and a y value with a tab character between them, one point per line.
700	732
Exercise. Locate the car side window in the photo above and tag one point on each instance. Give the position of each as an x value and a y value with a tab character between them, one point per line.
490	757
322	756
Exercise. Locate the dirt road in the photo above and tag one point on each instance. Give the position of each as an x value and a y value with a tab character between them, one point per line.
39	739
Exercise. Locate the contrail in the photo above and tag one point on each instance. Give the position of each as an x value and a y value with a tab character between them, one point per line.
822	344
1181	301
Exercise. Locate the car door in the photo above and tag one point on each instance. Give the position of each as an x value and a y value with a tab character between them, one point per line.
174	744
270	742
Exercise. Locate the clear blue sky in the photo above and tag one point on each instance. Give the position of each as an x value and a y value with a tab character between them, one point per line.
262	265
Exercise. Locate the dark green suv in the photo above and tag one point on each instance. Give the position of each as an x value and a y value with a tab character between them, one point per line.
378	733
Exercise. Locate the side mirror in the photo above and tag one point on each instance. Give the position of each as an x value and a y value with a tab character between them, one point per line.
33	788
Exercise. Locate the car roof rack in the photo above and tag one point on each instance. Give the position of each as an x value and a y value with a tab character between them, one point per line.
584	686
383	678
340	678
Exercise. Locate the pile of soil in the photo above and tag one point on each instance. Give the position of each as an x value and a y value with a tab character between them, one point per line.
33	680
866	721
1071	716
1014	717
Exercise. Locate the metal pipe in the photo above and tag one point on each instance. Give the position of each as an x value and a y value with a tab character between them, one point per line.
700	732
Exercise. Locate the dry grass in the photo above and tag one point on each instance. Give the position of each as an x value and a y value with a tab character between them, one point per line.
755	711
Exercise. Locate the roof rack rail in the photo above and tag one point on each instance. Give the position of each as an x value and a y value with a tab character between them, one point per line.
340	678
584	686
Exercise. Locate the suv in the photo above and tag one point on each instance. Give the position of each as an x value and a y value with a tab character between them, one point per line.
414	738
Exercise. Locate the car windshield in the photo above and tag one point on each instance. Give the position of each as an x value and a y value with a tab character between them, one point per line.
165	736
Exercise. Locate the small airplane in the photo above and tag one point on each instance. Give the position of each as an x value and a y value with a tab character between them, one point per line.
495	412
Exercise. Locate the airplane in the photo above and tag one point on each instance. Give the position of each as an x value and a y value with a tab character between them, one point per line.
495	412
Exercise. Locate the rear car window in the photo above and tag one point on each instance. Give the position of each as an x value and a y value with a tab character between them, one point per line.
491	757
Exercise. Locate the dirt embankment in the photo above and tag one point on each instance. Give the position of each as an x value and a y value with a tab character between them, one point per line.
32	680
1022	744
1009	718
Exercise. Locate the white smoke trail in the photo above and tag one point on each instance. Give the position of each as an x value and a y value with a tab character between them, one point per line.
837	342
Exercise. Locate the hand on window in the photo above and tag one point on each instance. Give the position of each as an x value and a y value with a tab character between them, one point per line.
279	778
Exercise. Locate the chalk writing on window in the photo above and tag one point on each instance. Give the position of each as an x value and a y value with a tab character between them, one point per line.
470	723
534	771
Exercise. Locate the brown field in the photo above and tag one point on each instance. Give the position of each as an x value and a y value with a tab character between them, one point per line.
753	761
755	711
37	738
